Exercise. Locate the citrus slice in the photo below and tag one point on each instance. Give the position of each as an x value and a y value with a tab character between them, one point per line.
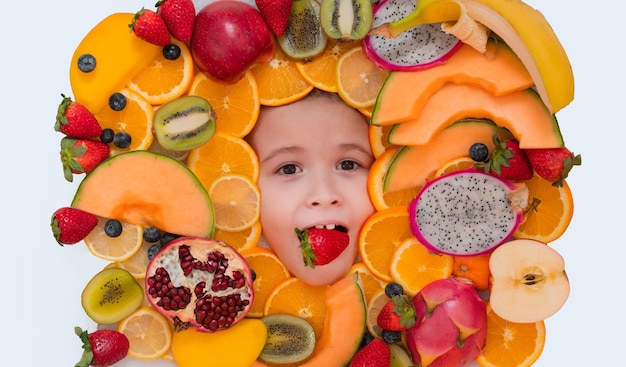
473	268
455	164
382	233
413	266
240	240
371	284
378	139
224	154
376	180
137	264
134	119
118	248
236	202
294	297
549	213
236	105
511	344
279	81
269	271
149	333
374	305
358	79
367	111
165	80
316	71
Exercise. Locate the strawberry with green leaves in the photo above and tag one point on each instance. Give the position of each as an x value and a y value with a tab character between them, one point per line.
320	246
507	160
75	120
179	17
81	155
398	314
102	348
70	225
150	27
375	354
553	164
276	14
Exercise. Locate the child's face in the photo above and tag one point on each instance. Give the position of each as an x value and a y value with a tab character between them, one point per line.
314	157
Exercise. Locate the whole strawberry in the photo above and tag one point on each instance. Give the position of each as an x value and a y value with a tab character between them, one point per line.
75	120
507	161
71	225
374	354
553	164
150	27
102	348
276	14
179	17
398	314
81	155
320	246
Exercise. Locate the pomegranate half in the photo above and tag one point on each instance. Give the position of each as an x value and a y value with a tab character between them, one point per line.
200	283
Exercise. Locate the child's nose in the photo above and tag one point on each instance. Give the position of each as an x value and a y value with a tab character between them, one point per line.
324	192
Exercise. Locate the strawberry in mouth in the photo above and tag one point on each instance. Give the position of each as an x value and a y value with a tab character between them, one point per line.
322	244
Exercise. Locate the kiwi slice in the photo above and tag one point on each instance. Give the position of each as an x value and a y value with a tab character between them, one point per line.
111	295
304	37
184	123
347	20
290	339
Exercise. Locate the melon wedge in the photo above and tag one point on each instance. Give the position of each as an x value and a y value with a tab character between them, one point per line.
404	94
523	113
148	189
413	165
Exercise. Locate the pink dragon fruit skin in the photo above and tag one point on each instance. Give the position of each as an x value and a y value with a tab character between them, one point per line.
451	324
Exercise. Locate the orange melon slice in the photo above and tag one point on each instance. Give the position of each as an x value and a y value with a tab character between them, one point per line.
148	189
522	112
413	165
404	94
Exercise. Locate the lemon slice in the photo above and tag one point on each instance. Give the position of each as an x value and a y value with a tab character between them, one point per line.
118	248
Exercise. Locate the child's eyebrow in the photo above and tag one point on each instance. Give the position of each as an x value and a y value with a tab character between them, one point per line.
282	150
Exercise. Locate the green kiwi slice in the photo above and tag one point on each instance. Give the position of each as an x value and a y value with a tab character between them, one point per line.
304	37
290	339
348	20
111	295
184	123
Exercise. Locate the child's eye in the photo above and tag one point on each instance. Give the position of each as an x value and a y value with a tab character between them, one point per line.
348	165
288	169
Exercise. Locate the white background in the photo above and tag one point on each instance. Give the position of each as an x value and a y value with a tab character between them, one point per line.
42	282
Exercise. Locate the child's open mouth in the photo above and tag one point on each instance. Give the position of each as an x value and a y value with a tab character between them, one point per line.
331	227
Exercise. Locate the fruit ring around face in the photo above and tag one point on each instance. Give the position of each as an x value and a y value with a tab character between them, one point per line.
200	283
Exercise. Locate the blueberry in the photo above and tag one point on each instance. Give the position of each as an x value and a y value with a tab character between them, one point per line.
367	338
151	234
107	135
86	63
117	101
113	228
393	289
152	250
122	140
391	336
479	152
167	237
171	52
253	273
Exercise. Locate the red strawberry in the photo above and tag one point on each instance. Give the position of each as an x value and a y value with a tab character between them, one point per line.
102	348
179	17
150	27
71	225
507	161
81	155
553	164
276	14
398	314
374	354
320	245
75	120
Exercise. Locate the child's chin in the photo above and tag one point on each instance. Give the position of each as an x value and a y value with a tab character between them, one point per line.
323	274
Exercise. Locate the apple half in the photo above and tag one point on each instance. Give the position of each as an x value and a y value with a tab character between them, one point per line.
529	282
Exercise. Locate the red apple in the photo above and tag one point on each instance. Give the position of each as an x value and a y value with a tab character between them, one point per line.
230	36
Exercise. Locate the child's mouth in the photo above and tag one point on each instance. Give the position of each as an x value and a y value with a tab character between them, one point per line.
331	227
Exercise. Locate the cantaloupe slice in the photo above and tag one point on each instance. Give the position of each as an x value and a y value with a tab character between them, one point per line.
413	165
403	94
149	189
522	112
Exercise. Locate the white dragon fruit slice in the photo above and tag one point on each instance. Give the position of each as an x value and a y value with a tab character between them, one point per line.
420	47
467	212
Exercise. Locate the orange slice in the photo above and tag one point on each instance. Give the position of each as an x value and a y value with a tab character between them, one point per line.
135	119
413	266
374	305
165	80
549	213
240	240
455	165
149	333
378	139
473	268
511	344
269	271
295	297
358	79
236	202
279	81
376	180
118	248
382	233
319	70
371	284
224	154
236	105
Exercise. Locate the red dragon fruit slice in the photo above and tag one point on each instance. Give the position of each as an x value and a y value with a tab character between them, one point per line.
420	47
467	212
